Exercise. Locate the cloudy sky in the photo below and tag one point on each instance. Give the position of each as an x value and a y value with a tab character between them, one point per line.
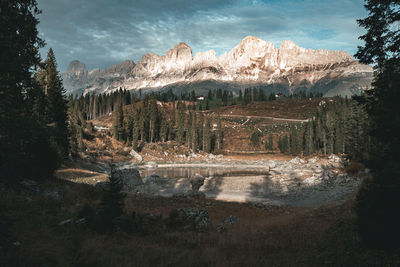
101	33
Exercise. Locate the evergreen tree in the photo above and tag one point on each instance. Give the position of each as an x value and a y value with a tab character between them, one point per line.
269	145
57	104
164	130
207	136
112	204
240	96
153	122
180	123
118	121
377	200
24	140
219	135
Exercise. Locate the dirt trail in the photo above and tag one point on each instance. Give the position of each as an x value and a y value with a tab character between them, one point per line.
264	117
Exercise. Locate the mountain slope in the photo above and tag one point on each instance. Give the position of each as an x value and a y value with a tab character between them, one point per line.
253	62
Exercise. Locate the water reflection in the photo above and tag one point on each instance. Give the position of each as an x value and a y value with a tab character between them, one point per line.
187	172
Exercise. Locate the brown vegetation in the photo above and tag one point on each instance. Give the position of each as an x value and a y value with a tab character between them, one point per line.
264	235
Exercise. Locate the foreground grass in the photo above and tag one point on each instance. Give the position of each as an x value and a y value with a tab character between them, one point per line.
264	236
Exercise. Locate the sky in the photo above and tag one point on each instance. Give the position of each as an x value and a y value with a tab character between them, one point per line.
102	33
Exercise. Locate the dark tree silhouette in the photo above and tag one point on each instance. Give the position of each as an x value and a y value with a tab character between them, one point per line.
378	198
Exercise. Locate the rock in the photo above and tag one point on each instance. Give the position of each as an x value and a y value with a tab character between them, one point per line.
30	185
211	156
230	220
221	228
136	155
296	160
272	164
196	181
312	160
334	158
367	170
152	178
129	177
65	222
189	219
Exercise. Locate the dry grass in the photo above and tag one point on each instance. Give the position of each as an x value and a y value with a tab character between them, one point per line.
264	236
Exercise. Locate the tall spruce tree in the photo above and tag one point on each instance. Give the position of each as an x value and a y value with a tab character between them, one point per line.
219	135
57	104
377	200
118	121
23	138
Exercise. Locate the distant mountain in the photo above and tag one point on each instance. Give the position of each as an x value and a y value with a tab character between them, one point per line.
252	63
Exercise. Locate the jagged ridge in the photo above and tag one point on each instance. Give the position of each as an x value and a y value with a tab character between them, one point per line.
252	62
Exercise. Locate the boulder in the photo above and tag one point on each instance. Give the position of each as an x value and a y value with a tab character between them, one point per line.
152	178
136	155
230	220
334	158
196	181
272	164
189	219
129	177
312	160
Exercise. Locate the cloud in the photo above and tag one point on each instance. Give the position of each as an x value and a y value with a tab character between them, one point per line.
102	33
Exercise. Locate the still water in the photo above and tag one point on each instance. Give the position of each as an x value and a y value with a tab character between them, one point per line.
187	172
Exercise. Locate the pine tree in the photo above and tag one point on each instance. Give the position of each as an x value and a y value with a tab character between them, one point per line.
112	204
164	130
153	122
57	104
180	123
118	121
378	199
219	135
24	139
269	145
207	136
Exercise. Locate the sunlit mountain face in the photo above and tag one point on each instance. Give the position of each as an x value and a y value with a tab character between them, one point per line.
253	62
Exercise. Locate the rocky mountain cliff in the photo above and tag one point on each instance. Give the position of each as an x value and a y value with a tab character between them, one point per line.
252	63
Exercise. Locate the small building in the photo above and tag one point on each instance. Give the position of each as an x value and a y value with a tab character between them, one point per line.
200	97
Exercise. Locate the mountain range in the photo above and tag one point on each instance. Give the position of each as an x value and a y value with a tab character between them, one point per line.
252	63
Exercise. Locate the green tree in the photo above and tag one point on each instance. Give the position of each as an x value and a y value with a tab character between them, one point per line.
219	135
118	121
57	104
24	140
207	136
112	204
180	123
378	198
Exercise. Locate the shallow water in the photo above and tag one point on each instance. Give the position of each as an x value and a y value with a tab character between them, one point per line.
249	184
187	172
